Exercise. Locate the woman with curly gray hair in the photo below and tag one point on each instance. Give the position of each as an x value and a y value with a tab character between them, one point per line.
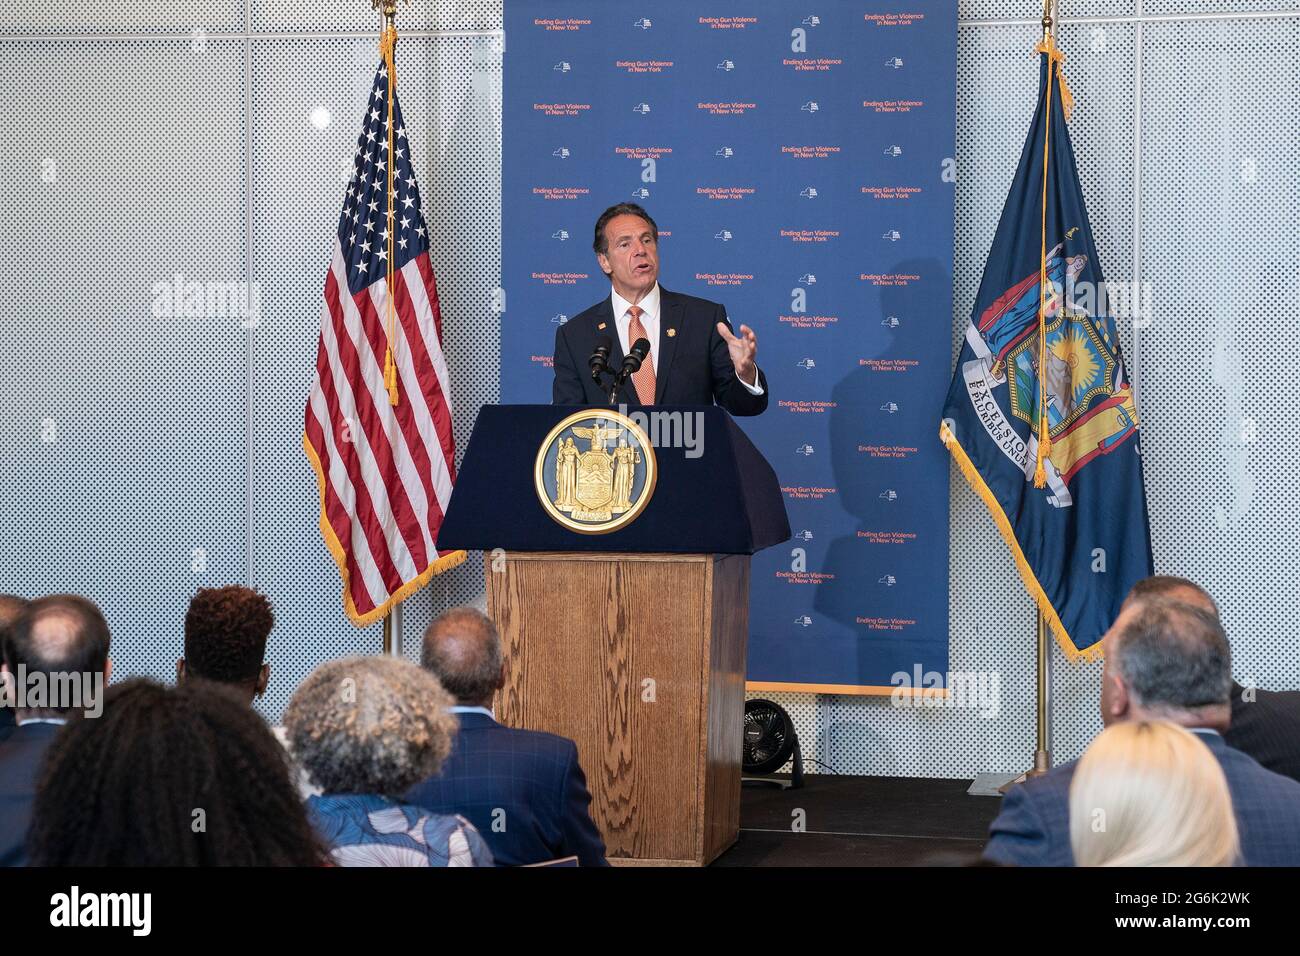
366	729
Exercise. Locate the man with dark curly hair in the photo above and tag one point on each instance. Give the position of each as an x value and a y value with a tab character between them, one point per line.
225	639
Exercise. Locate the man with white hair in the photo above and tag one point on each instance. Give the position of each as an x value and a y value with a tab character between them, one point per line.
1165	660
1265	723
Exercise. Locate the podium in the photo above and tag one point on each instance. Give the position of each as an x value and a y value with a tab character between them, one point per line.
631	643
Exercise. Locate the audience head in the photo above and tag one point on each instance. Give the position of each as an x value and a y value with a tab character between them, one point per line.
463	650
1167	660
170	776
225	639
1171	588
1148	793
11	606
61	636
370	725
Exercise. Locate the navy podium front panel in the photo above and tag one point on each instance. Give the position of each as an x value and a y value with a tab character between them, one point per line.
715	496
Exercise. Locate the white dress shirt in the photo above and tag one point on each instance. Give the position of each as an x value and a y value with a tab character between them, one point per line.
650	322
464	709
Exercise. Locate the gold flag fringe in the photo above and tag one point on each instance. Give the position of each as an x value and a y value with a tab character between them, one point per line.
445	563
976	482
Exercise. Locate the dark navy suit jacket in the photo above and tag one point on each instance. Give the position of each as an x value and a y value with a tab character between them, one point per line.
693	368
20	766
526	781
1033	828
1268	728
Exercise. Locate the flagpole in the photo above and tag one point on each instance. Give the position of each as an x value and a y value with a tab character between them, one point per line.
1043	755
393	644
1043	669
389	10
1043	752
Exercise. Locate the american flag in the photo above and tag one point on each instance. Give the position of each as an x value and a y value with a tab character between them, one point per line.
385	470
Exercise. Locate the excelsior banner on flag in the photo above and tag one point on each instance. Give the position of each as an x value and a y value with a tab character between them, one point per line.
378	429
1040	416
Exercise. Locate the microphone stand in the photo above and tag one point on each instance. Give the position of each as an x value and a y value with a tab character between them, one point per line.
619	379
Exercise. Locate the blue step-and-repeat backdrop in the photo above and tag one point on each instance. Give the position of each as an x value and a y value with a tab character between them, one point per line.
798	161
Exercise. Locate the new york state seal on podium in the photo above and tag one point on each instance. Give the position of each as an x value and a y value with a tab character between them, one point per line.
595	471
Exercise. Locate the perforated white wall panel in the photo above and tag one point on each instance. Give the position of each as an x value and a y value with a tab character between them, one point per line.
451	97
123	432
166	431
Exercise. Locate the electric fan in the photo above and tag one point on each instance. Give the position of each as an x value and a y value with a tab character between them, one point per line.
770	742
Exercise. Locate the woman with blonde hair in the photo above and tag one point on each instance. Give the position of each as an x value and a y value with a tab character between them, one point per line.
1148	793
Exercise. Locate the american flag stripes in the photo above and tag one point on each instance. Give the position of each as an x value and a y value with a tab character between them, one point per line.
385	469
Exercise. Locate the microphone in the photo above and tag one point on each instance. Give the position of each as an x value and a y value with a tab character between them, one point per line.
632	362
599	361
635	356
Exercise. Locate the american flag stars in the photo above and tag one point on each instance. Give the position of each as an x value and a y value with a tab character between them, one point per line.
363	224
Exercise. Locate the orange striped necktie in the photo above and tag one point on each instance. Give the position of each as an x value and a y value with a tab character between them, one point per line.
644	379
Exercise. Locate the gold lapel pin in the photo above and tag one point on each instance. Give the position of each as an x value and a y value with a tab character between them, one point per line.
671	333
601	326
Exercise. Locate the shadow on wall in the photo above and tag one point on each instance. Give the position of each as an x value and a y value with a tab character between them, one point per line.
862	406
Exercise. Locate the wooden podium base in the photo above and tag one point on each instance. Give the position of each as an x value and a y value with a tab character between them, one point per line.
640	659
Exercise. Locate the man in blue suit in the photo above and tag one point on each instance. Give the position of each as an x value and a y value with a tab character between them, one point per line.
1265	723
522	789
694	358
11	607
1164	660
56	636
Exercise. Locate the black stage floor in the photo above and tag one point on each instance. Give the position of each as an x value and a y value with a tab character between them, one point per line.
862	821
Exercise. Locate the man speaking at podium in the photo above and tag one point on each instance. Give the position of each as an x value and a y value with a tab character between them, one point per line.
693	357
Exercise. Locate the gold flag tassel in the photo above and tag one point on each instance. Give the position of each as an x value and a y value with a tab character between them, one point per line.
388	50
1048	46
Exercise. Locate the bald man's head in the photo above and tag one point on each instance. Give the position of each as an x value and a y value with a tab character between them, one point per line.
1168	587
62	633
463	650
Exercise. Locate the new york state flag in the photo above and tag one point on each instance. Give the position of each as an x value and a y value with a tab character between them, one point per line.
1040	415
